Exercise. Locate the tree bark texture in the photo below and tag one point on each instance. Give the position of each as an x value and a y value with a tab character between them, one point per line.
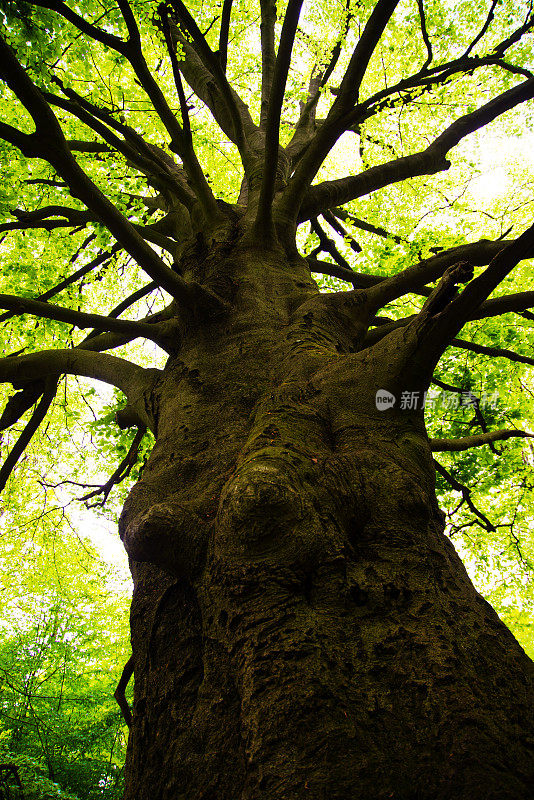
301	626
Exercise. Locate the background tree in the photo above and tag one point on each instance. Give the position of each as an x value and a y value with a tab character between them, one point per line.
299	623
63	626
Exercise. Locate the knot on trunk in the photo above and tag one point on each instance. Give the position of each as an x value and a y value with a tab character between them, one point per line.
266	512
168	534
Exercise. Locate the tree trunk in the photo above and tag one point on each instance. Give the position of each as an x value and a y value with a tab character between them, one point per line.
301	626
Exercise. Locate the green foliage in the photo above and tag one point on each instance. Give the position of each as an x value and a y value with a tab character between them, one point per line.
63	643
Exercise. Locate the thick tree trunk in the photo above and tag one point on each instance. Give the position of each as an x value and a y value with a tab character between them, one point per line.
301	626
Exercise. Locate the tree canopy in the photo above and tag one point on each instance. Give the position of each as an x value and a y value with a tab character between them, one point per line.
355	137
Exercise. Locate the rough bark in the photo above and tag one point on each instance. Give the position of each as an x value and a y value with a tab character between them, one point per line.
301	626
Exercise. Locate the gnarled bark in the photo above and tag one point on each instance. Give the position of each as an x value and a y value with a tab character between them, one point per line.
301	626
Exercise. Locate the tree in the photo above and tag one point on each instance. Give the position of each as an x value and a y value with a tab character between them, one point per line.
300	625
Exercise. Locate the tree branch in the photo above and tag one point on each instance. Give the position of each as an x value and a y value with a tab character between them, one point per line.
326	245
334	124
128	377
176	75
119	475
424	33
153	162
264	224
426	162
21	305
201	80
79	146
224	32
49	142
268	55
479	439
131	25
120	691
40	411
338	227
492	352
484	29
132	51
180	141
483	521
326	268
440	326
413	280
98	342
506	304
212	63
96	262
365	226
99	35
41	218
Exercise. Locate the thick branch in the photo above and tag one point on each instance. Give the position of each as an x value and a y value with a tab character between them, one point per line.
482	286
40	411
49	142
327	245
212	63
41	218
119	372
479	439
268	56
492	352
169	336
431	269
132	50
201	81
22	305
186	124
131	25
263	224
372	33
508	303
336	271
180	141
426	162
332	220
224	32
387	326
441	326
157	165
334	124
